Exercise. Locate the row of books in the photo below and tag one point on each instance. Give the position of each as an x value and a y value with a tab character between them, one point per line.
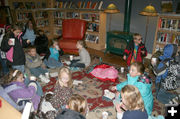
43	14
29	5
93	27
168	38
58	22
92	38
24	16
90	17
42	23
169	24
58	32
80	4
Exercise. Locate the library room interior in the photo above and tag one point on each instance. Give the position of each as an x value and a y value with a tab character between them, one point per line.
84	59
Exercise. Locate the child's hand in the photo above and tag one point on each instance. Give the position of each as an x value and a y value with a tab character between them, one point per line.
143	52
113	88
124	57
117	94
28	41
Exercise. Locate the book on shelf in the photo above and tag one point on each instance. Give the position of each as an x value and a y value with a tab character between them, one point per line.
88	6
79	4
178	26
83	5
92	38
163	23
65	4
60	5
70	4
86	16
18	5
100	5
94	5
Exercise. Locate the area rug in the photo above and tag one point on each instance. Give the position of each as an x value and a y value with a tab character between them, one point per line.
93	90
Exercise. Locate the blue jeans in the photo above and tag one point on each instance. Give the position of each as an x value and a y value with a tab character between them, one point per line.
5	68
74	63
38	71
52	63
39	88
19	67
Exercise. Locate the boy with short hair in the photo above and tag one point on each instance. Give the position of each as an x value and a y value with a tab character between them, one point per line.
35	65
135	51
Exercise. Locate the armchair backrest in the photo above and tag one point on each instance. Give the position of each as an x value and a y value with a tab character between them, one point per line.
73	29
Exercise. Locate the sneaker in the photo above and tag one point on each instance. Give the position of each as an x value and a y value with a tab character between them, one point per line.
44	79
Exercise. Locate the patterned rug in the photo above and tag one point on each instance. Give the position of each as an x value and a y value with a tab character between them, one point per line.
93	89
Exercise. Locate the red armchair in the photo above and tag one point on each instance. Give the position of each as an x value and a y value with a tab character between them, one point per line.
72	31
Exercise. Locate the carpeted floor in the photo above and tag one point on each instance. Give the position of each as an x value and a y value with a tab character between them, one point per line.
93	89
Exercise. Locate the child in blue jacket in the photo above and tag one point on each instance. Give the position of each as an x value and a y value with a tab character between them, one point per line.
136	78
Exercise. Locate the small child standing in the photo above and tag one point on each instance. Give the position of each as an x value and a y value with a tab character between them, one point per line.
135	51
54	58
35	65
132	105
83	60
144	86
21	93
76	108
13	45
62	92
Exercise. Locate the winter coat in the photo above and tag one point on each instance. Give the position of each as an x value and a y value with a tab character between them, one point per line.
25	93
144	88
129	52
41	43
18	52
69	114
161	70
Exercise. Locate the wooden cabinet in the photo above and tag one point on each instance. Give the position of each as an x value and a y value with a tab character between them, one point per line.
50	19
167	31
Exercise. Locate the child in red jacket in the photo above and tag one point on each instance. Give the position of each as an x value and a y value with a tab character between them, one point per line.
135	51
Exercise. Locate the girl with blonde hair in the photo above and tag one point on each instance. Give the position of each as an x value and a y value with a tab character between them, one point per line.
132	104
62	92
76	108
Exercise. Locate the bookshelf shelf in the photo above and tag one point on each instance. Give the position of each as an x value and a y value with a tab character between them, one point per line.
167	31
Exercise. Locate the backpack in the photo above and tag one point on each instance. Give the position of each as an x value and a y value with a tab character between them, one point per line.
172	81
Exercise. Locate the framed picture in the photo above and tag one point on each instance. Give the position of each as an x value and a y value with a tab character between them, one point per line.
167	6
5	16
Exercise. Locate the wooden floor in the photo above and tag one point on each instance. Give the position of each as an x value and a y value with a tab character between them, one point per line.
109	57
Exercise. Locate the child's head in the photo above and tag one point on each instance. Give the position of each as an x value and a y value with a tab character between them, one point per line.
32	51
16	29
131	98
78	104
136	69
54	42
80	44
137	38
40	32
64	77
14	75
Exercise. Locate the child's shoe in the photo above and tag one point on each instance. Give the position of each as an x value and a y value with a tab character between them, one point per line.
44	79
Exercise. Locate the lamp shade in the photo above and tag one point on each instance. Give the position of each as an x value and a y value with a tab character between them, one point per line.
111	9
149	11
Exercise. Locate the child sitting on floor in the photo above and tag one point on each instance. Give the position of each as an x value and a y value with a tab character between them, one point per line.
19	92
61	94
83	60
144	85
54	60
132	105
75	109
35	65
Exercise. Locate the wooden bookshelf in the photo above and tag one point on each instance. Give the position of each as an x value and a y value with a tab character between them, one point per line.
48	16
167	31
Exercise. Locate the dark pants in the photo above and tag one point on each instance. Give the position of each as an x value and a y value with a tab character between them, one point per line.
74	63
5	68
